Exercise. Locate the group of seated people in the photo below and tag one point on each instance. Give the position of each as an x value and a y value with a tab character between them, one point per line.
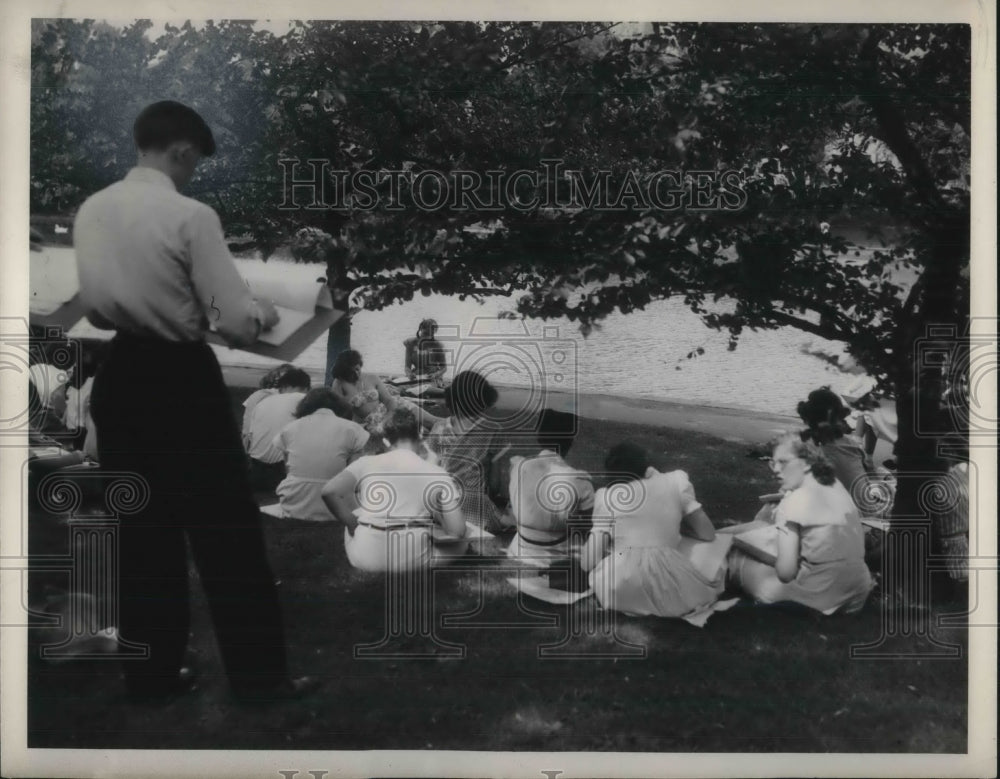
408	486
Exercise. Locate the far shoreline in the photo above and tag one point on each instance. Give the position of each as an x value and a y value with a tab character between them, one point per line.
742	425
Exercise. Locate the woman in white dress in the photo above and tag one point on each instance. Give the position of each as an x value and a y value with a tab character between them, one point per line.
632	552
317	446
391	503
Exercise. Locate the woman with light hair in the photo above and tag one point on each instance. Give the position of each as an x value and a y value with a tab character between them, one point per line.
820	550
392	503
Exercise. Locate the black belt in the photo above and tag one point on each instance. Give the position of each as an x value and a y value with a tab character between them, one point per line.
396	525
556	542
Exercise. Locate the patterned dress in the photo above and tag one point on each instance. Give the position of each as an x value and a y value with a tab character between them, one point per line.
473	458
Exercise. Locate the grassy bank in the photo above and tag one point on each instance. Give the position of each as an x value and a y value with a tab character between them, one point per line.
755	679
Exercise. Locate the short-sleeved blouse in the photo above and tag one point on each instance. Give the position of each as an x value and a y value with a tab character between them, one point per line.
647	512
830	528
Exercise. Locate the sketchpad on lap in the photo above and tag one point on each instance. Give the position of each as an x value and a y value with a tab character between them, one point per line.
274	510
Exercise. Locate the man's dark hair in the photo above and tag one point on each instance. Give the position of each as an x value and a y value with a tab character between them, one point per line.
161	124
295	377
556	430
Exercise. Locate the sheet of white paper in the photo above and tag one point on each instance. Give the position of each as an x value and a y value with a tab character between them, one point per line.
289	285
290	321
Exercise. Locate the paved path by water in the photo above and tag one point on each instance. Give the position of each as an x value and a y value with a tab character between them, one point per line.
729	424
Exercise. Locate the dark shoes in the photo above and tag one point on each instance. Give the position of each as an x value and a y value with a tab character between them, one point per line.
285	690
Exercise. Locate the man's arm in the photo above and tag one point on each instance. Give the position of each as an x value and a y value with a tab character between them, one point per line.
224	296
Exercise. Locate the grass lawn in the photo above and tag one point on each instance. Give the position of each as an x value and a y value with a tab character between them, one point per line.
754	679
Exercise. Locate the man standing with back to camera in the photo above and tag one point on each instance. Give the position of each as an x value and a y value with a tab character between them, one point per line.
154	266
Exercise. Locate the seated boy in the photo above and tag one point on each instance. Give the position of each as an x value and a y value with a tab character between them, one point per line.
547	496
264	421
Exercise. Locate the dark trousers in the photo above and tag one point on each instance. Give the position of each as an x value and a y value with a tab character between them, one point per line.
162	411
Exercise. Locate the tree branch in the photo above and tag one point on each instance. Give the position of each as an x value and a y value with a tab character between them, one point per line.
892	128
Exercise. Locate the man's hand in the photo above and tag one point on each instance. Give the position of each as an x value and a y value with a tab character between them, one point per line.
268	314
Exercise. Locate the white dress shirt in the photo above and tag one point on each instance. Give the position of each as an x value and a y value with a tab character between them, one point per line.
153	262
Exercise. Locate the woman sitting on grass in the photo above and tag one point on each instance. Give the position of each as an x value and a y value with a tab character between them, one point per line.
368	397
820	542
317	446
632	552
469	445
402	498
425	356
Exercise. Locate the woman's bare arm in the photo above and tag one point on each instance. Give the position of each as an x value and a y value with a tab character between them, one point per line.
699	525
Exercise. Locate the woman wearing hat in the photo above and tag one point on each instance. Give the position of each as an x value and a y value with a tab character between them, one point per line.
826	416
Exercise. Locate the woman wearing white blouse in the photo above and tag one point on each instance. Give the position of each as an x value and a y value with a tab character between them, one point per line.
317	446
392	502
820	541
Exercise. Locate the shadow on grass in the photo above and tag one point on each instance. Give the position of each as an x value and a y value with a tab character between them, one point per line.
754	679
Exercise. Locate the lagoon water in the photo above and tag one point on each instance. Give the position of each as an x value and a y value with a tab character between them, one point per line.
640	355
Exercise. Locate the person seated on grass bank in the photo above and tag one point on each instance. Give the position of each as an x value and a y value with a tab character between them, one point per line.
471	446
825	414
268	386
268	418
318	445
546	494
369	398
390	503
632	553
425	356
820	540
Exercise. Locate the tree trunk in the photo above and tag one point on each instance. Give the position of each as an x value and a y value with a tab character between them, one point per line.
925	347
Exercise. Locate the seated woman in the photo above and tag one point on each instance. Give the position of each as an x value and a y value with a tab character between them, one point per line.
369	398
825	414
469	445
425	356
262	423
268	385
820	542
546	494
402	498
317	446
632	552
